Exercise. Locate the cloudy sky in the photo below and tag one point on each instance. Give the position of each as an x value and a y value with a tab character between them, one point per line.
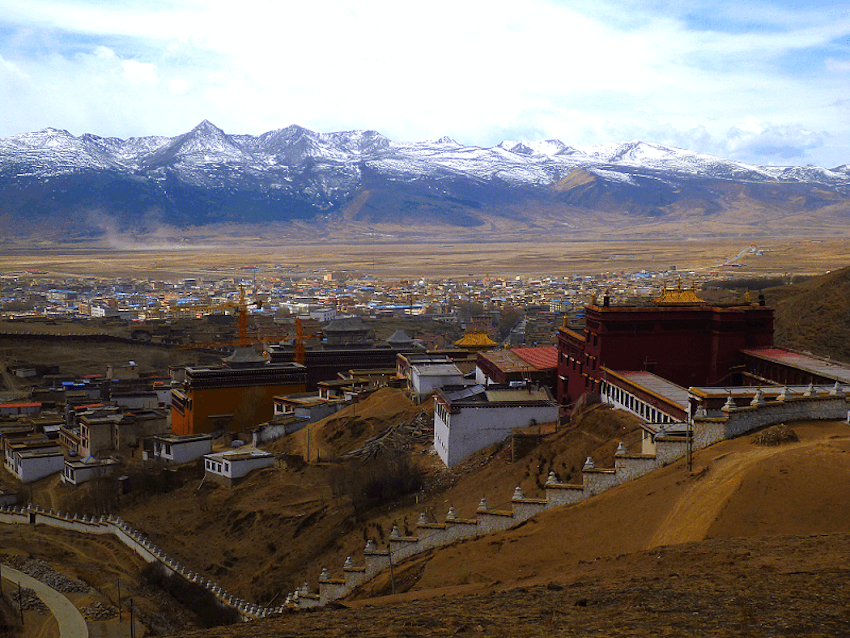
765	82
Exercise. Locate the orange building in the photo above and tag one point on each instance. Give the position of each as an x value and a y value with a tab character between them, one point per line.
235	396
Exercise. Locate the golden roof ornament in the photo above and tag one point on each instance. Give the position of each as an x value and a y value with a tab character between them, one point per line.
475	340
679	296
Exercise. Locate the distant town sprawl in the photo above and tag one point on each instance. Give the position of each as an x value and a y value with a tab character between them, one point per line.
324	295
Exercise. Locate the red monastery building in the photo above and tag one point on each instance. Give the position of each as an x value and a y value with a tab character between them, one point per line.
679	338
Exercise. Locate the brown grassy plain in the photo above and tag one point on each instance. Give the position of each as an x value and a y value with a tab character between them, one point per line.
446	259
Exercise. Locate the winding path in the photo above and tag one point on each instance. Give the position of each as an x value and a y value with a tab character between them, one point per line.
70	620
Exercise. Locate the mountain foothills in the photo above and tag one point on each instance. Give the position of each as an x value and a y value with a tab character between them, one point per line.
311	185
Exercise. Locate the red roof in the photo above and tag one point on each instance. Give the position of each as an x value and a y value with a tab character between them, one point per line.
88	405
19	405
542	357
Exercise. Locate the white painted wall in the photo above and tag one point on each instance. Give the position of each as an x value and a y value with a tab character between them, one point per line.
32	468
183	451
78	475
458	435
236	468
138	401
424	384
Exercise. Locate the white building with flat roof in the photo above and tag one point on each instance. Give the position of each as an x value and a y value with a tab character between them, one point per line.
79	471
34	464
427	377
176	449
469	418
231	465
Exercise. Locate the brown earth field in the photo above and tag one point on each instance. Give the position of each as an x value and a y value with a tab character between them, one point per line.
213	256
753	542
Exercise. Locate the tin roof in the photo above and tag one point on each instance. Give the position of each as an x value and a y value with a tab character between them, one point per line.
660	387
824	367
438	370
239	454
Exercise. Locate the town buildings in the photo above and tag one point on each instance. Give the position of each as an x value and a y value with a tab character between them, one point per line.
234	396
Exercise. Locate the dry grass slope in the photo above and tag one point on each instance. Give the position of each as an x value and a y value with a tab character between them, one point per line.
814	315
755	542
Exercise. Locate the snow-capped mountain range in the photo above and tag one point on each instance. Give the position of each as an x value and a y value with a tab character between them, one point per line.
207	176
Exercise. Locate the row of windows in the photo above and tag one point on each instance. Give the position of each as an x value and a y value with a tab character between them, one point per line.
441	411
215	466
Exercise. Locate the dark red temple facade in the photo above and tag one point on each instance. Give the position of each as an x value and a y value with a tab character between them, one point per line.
690	345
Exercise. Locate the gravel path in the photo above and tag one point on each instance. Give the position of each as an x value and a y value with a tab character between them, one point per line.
71	622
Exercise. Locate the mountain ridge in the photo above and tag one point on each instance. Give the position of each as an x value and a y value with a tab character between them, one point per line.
207	176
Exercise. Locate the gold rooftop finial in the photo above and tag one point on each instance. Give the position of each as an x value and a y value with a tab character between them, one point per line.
679	296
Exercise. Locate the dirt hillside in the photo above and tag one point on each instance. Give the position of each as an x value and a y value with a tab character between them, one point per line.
814	315
754	541
352	426
737	489
281	526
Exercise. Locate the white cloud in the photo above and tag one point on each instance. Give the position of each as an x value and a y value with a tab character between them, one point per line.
754	138
837	66
178	86
140	72
475	70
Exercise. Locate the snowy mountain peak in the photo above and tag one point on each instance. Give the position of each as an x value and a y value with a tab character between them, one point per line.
45	137
206	143
206	127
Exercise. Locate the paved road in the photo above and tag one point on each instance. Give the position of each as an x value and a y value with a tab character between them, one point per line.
71	621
